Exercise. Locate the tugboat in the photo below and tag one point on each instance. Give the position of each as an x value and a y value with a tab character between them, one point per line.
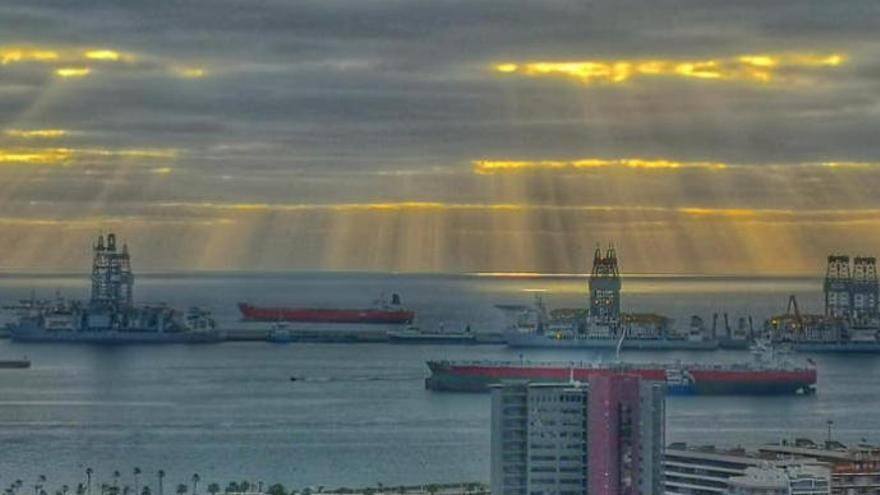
415	335
15	364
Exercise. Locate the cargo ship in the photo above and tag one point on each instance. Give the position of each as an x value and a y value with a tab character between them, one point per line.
110	315
382	312
763	376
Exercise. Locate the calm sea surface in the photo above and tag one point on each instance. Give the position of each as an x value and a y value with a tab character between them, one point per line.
360	415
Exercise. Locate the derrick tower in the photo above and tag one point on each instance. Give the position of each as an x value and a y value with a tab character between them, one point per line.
605	286
112	280
864	287
837	286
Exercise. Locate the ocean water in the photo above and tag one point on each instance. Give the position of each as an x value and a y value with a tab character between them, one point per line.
360	414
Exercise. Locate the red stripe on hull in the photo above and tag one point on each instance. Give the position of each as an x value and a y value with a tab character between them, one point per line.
325	315
801	376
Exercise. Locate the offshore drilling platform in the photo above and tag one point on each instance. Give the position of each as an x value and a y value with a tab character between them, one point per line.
110	315
603	325
850	322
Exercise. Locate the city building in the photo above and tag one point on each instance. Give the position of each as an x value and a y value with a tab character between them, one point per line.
603	437
708	470
760	481
854	470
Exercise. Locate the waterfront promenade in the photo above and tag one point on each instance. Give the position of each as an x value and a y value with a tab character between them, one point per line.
140	483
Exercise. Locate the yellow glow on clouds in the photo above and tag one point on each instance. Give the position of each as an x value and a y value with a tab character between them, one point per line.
108	55
67	72
757	68
72	63
493	166
190	72
626	212
67	156
486	167
36	133
17	55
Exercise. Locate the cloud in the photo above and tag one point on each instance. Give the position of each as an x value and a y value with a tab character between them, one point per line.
36	133
303	119
759	68
72	62
69	156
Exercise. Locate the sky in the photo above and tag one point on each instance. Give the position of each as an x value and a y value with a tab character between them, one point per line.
701	136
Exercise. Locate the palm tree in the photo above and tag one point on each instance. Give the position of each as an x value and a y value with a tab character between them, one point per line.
80	489
38	486
64	489
195	481
213	488
89	472
181	489
161	477
146	490
116	476
137	483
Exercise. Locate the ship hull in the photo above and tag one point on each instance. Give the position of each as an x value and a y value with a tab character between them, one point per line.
34	334
374	316
427	339
14	364
841	347
456	378
523	340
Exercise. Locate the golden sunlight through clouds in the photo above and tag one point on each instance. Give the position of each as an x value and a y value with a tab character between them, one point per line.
758	68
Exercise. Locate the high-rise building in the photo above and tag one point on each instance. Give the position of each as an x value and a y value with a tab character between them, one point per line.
598	438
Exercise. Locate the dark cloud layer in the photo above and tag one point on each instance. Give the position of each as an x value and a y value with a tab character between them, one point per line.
349	101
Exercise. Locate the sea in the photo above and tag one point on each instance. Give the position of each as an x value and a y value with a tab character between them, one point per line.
358	414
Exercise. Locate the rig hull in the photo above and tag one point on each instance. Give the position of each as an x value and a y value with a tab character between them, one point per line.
450	376
318	315
530	340
34	333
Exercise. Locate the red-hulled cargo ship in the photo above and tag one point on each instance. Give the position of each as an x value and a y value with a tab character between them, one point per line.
382	312
761	377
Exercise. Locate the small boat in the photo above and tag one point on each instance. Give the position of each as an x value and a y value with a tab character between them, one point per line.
23	363
280	334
